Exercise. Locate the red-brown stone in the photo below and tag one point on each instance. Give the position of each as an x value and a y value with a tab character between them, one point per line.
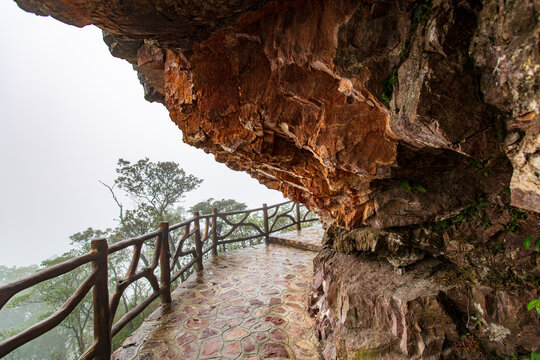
256	302
277	335
211	347
207	332
249	346
196	323
274	350
230	294
185	338
276	320
274	301
235	311
232	349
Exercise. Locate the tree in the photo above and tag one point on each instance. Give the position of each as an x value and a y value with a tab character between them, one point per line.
157	186
230	205
17	316
154	189
56	291
223	205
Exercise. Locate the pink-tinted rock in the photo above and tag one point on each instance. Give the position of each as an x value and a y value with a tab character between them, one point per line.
232	349
196	323
185	338
274	301
256	302
274	350
211	347
277	335
276	320
417	313
207	332
235	334
249	346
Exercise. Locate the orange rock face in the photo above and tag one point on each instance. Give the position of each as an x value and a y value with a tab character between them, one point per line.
295	93
286	118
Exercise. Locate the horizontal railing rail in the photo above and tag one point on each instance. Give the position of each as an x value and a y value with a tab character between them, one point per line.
201	233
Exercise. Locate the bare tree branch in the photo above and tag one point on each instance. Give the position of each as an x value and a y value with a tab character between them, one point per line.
111	189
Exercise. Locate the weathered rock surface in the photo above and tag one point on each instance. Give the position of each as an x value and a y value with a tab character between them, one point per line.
411	126
365	311
294	92
475	264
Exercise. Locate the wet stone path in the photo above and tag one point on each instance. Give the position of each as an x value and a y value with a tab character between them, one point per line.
307	239
245	304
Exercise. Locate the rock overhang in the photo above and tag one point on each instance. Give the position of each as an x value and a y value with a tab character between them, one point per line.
341	104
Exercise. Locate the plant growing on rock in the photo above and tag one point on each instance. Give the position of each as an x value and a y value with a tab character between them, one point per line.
533	304
516	215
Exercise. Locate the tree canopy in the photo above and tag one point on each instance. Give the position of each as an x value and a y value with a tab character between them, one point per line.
223	205
155	189
158	186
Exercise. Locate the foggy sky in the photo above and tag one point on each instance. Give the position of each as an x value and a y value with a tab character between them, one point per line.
68	112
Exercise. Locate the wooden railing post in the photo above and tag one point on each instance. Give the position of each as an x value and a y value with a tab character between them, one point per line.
198	243
214	232
265	222
298	223
102	312
164	262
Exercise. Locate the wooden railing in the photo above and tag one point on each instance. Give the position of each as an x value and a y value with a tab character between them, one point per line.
168	251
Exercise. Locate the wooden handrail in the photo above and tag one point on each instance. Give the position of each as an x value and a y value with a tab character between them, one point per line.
7	291
105	306
214	232
164	262
198	243
10	344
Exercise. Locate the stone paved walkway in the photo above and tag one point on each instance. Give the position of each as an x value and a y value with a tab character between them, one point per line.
308	239
246	304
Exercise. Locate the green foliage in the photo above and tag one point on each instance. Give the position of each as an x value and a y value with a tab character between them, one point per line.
421	8
413	185
56	291
534	304
473	212
154	188
403	51
8	274
476	320
19	314
420	188
81	239
528	242
516	215
405	186
223	205
156	185
470	213
534	356
482	167
388	86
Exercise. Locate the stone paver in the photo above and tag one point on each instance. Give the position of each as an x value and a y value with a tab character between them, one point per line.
307	239
246	304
